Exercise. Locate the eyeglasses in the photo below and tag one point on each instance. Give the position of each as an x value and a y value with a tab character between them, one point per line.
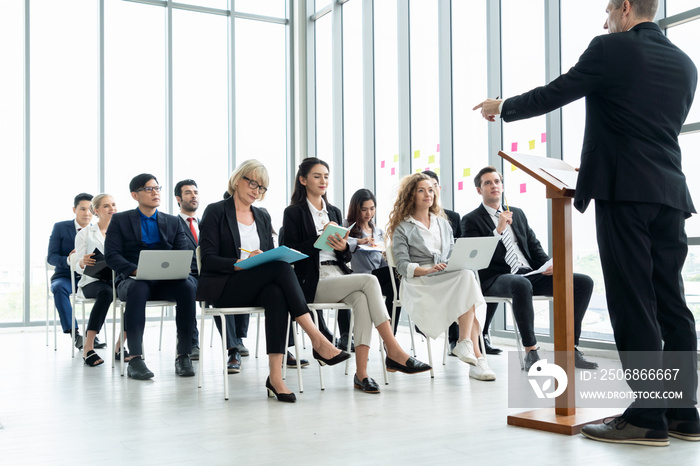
255	185
150	189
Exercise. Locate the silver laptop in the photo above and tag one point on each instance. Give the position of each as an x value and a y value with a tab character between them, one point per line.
163	264
471	254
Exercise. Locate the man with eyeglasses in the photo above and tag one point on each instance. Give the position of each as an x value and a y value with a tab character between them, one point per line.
128	234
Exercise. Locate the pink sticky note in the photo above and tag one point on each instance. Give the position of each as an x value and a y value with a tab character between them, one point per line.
382	163
426	168
393	171
514	147
544	138
460	186
523	188
438	147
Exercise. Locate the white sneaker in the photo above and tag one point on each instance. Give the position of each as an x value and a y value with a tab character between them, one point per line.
482	371
464	350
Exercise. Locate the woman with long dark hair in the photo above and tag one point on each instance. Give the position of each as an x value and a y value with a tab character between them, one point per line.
325	277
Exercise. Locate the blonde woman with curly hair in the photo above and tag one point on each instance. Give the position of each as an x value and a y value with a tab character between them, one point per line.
421	241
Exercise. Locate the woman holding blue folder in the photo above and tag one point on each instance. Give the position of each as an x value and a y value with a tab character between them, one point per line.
325	277
228	229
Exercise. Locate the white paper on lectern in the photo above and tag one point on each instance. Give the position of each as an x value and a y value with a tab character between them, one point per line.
568	177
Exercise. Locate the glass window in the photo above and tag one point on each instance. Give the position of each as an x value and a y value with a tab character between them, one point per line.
425	108
673	7
274	8
261	106
386	108
200	106
134	96
691	281
690	147
469	88
319	4
219	4
685	37
324	88
63	127
12	160
353	119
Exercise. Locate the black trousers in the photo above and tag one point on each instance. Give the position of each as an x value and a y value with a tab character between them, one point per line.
642	250
102	292
383	274
273	286
136	292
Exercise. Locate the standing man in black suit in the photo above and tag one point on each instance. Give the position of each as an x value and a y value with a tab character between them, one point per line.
639	88
518	253
128	234
187	197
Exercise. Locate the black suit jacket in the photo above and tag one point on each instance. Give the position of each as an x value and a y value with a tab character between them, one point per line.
300	234
61	243
453	217
638	88
478	222
191	243
123	242
219	243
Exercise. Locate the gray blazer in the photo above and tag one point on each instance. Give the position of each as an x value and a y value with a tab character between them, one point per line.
408	246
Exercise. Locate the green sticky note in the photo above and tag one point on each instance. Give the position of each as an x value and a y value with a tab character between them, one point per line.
416	154
532	145
437	171
396	157
467	172
431	159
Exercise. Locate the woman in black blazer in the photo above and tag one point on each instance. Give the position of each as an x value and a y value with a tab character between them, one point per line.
325	277
228	228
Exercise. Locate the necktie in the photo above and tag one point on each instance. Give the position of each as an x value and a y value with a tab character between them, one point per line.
511	256
192	229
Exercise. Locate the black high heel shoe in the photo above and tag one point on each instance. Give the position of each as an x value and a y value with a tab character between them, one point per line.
285	397
340	357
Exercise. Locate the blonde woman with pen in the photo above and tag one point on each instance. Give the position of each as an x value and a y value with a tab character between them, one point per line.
234	229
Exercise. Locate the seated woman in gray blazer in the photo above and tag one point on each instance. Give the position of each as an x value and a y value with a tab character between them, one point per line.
421	241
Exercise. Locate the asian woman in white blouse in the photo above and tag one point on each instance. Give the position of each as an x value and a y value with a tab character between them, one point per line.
421	240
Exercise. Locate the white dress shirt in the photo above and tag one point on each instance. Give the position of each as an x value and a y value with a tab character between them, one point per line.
320	220
522	262
194	222
86	241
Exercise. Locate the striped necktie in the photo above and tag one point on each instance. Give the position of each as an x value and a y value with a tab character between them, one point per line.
511	256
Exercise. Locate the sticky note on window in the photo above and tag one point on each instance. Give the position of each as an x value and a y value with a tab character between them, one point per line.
467	172
514	147
544	138
523	188
437	171
393	171
513	167
416	154
431	159
460	186
383	164
532	144
418	170
396	157
426	169
438	148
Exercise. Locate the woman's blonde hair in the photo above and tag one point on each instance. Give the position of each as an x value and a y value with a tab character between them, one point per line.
253	170
96	201
405	204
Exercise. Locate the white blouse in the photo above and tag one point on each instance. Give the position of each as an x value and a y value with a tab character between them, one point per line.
249	238
86	241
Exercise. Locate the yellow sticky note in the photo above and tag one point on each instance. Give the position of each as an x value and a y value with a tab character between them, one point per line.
532	144
418	170
396	157
513	168
467	172
437	171
431	159
416	154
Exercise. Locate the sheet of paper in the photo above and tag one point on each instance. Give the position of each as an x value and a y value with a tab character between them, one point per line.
546	265
365	247
568	177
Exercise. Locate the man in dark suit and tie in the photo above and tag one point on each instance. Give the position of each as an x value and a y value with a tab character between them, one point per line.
187	197
519	252
639	88
61	246
128	234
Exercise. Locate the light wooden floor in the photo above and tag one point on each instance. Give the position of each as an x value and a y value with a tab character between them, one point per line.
54	410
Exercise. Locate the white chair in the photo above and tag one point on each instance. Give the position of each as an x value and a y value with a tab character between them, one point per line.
222	313
77	299
49	301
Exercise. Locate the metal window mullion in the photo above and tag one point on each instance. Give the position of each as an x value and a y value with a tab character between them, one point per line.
231	83
290	90
310	47
27	167
168	103
445	100
337	166
680	18
101	94
404	86
495	82
368	93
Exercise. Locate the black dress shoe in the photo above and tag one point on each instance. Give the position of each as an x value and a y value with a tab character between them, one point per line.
194	355
340	357
78	341
490	349
234	361
412	366
342	343
183	366
285	397
137	369
684	430
582	363
292	362
98	344
531	358
367	385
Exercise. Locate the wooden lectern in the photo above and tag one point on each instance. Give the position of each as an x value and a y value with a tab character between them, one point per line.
564	418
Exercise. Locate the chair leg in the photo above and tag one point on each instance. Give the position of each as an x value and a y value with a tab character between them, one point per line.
297	355
430	358
320	368
286	347
117	345
444	350
72	329
122	308
47	318
200	377
257	337
160	339
224	354
350	334
383	356
211	337
55	316
517	338
413	341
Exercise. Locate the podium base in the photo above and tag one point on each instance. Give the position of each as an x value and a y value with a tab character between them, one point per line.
549	421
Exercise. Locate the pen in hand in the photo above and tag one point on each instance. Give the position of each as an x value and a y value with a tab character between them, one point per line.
245	250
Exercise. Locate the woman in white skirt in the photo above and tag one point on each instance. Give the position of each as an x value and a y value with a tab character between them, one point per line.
421	241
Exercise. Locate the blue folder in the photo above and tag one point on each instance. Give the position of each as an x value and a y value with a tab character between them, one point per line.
282	254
